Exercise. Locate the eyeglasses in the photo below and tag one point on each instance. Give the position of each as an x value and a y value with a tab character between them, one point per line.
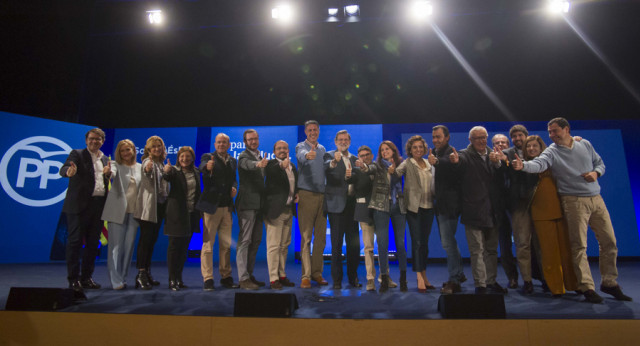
95	139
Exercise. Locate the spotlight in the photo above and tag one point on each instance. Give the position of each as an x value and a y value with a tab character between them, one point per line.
559	6
155	17
351	10
332	12
420	10
282	13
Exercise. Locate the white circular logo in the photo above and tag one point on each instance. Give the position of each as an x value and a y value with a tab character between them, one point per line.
30	168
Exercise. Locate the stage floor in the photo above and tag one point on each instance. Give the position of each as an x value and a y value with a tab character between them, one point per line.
319	302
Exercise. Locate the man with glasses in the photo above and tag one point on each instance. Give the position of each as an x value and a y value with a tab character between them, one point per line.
88	171
481	201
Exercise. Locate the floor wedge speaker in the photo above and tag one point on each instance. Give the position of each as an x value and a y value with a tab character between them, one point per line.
472	306
39	298
264	304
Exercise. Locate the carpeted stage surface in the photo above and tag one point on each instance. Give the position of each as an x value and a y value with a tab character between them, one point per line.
319	302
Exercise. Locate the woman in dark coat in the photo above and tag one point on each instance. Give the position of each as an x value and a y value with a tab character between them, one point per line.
182	219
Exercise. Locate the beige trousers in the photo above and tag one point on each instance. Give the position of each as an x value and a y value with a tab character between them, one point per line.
581	213
220	222
367	238
278	240
313	224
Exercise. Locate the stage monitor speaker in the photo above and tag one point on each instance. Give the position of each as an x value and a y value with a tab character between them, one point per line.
39	298
264	304
472	306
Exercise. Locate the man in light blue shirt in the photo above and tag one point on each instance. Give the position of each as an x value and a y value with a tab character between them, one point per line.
576	167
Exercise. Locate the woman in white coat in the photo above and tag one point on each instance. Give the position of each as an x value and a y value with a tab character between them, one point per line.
118	212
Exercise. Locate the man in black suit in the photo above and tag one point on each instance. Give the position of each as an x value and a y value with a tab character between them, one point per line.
249	204
281	195
88	171
216	202
340	200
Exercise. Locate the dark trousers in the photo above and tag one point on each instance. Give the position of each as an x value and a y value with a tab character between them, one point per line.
508	261
84	228
343	226
148	236
177	256
420	229
179	247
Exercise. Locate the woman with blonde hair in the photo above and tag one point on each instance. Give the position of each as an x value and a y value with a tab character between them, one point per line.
150	207
419	192
182	219
126	175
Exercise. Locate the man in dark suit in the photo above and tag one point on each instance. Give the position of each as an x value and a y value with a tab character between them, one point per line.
281	196
520	186
248	205
88	171
448	206
508	261
216	202
340	200
481	201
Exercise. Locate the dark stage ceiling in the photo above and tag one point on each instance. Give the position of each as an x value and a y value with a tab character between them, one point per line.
227	63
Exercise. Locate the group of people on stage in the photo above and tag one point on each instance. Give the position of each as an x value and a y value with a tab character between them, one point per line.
545	196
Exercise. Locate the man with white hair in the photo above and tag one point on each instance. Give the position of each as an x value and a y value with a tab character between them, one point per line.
480	180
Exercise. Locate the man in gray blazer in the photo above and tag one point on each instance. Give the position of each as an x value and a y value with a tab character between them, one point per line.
340	197
249	202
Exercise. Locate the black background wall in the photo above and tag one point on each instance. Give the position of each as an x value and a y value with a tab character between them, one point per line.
226	63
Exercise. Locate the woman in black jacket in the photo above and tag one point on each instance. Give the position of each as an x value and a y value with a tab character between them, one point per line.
182	219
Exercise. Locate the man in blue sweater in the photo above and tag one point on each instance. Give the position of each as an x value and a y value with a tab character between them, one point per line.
576	167
312	217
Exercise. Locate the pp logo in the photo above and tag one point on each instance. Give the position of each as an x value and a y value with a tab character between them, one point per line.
28	172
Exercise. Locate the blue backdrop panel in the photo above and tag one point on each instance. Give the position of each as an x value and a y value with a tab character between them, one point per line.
33	150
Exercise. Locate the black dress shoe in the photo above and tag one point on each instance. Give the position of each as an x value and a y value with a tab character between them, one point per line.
173	285
355	283
181	284
228	283
496	288
285	282
481	290
142	281
527	287
76	286
592	297
90	284
616	292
